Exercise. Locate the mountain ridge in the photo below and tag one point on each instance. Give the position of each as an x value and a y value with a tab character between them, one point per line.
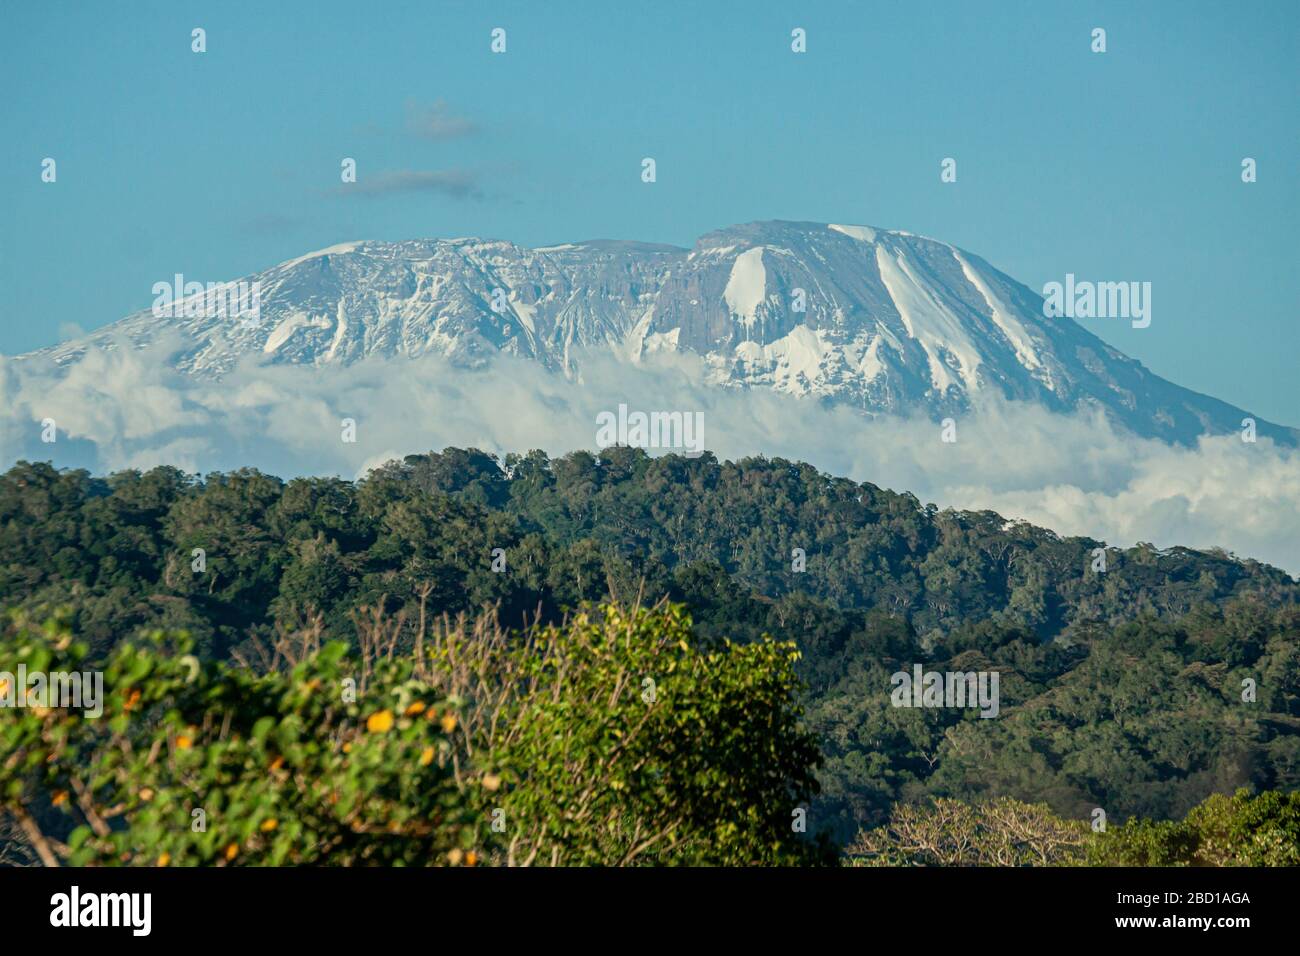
883	320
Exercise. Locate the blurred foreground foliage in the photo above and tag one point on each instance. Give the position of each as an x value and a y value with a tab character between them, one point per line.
609	740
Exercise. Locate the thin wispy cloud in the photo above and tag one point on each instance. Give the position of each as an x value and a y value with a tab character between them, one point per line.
436	121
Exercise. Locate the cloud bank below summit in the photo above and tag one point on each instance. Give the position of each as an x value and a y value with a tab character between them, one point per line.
1075	474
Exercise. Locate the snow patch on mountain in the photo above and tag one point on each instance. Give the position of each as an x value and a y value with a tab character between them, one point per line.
747	285
1002	316
929	321
288	326
340	330
870	367
794	361
341	248
524	311
862	233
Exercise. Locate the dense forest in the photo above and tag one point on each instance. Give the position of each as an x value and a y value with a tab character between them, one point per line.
1137	681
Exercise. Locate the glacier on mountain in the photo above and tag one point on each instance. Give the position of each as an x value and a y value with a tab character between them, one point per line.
890	322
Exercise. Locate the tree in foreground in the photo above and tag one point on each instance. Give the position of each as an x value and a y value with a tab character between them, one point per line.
1241	830
1001	832
194	764
624	743
609	740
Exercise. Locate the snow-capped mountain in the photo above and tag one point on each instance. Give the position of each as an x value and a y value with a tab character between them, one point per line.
885	321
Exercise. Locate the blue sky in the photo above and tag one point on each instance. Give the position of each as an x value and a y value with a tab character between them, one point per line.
1123	165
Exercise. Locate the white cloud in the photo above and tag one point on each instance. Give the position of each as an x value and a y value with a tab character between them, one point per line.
1074	474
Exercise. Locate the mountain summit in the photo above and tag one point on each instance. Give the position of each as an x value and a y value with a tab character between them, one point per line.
881	320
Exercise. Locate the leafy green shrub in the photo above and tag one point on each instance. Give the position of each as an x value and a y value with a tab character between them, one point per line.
209	764
609	740
1240	830
625	744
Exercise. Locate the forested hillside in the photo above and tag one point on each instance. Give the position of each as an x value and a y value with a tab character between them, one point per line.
1122	687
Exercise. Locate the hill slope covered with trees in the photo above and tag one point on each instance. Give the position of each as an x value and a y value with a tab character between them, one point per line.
1121	688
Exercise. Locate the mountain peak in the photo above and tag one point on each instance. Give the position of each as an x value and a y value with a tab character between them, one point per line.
878	319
